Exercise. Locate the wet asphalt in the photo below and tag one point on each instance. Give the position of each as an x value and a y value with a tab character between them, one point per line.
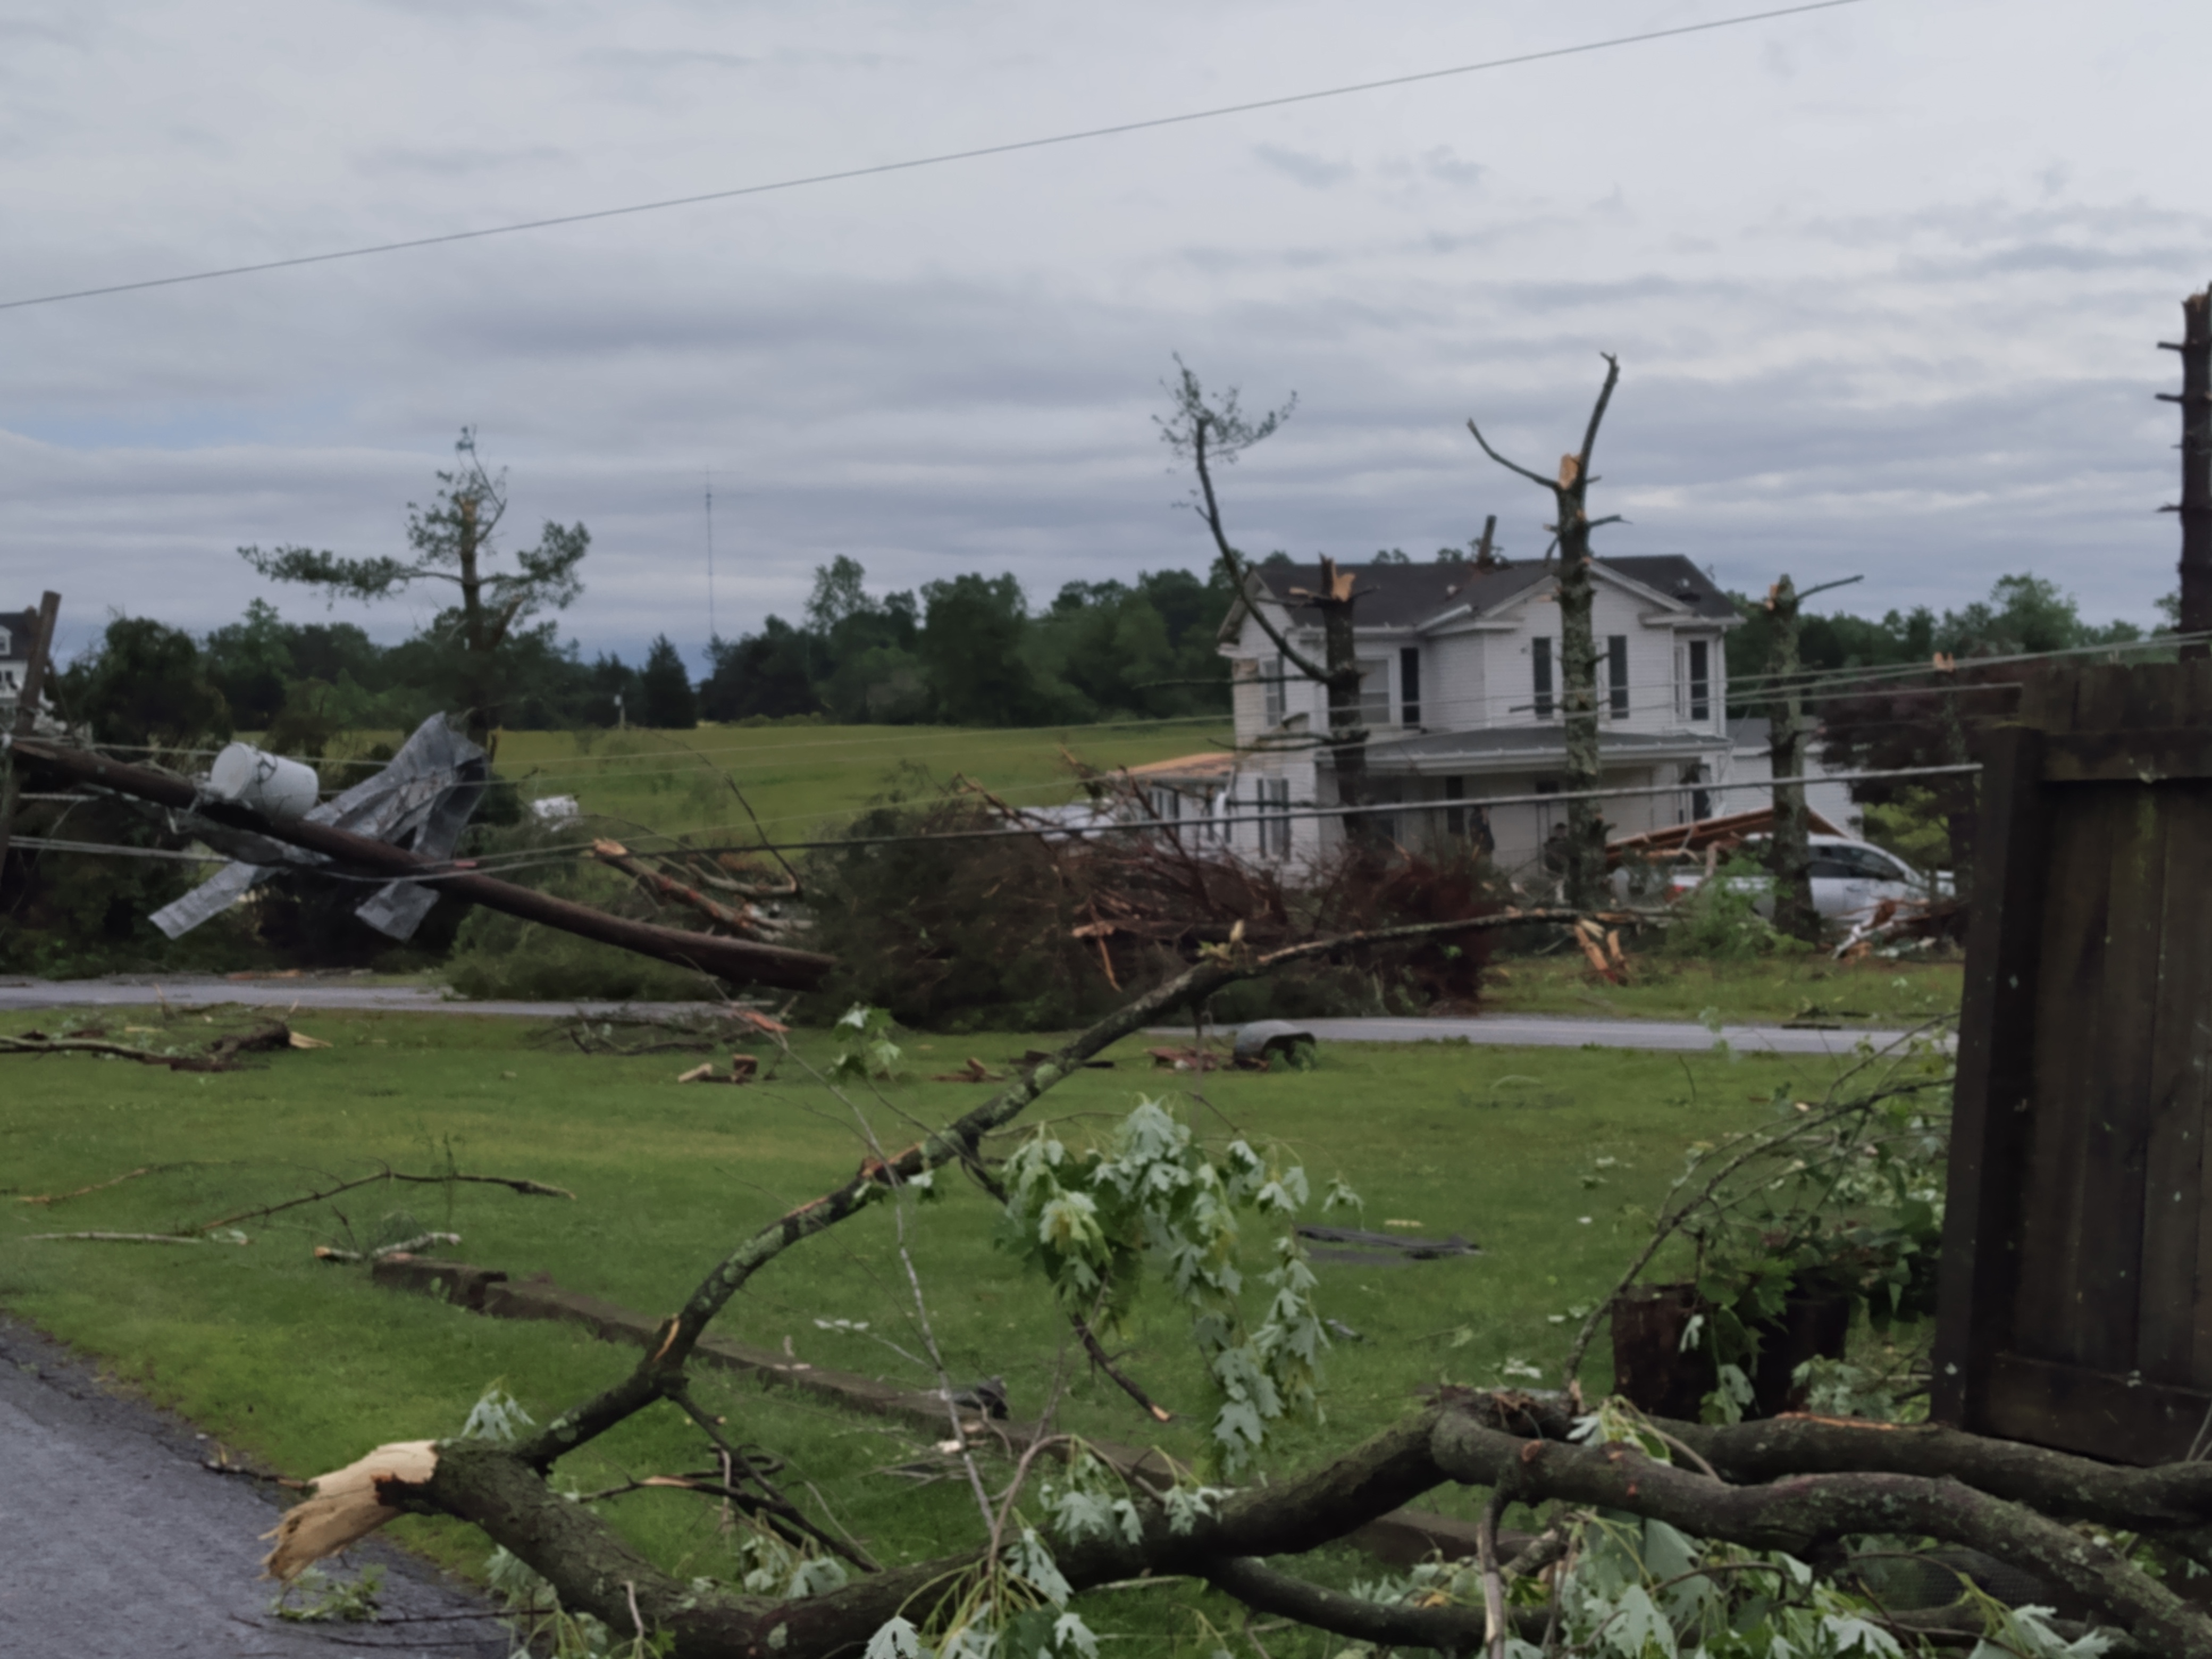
116	1543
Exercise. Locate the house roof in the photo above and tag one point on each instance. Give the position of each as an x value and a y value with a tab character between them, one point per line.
1407	596
17	630
1217	764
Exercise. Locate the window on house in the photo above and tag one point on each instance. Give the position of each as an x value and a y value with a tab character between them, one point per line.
1697	700
1454	789
1539	658
1616	674
1271	690
1701	802
1409	685
1373	694
1275	824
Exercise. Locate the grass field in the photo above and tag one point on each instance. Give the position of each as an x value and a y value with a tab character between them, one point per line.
802	778
1813	988
1536	1155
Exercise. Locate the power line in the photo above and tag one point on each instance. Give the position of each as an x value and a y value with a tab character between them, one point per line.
1198	827
923	161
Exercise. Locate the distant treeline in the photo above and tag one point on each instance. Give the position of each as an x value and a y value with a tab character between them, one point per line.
969	651
2022	614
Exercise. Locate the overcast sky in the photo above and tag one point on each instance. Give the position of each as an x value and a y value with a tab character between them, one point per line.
1885	280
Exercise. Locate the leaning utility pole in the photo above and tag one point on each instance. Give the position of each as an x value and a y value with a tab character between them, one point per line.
27	714
1789	849
2195	504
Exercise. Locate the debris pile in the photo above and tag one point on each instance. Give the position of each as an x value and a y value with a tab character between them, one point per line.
1896	925
960	911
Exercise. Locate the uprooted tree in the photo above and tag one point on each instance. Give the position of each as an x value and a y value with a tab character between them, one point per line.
1722	1539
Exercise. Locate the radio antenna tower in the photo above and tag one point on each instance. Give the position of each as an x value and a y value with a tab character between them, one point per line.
713	633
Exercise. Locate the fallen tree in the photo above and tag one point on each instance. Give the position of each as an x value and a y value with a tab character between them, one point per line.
738	961
1720	1539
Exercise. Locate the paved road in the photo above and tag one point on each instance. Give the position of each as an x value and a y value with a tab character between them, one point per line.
116	1544
1564	1031
318	993
1497	1030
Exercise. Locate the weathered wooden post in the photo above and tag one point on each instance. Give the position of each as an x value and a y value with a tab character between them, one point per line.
2195	504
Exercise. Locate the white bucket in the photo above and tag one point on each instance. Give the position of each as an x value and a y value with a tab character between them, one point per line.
245	776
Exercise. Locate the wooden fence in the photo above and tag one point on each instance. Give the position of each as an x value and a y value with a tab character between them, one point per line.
2076	1301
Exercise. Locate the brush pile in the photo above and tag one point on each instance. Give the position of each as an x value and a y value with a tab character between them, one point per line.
959	911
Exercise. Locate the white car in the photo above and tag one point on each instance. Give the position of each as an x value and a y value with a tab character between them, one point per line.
1850	879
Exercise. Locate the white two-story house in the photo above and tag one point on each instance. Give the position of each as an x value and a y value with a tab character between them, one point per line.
1463	700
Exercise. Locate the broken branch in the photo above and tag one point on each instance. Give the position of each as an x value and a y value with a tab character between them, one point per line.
528	1188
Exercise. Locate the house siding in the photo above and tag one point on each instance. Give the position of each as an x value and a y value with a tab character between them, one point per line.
1477	675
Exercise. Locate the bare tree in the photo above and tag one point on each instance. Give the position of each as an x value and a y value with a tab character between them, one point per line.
453	542
1209	433
1570	489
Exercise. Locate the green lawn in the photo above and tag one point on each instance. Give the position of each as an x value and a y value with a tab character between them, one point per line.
1533	1154
801	778
1812	988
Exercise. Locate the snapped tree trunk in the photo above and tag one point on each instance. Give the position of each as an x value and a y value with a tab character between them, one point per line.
1584	870
475	644
1790	851
1348	727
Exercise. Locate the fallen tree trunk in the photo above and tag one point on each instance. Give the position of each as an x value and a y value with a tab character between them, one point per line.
1490	1441
1800	1485
739	962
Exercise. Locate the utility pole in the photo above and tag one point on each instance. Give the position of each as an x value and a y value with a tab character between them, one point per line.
27	714
2195	504
1789	849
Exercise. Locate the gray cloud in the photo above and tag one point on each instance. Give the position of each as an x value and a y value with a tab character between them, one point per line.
1839	355
1314	171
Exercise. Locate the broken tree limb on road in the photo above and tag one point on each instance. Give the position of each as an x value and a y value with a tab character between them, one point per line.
736	961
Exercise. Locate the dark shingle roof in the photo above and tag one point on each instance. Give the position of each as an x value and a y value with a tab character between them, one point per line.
22	626
1407	595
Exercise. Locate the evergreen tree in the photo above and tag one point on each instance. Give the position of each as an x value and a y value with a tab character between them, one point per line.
664	698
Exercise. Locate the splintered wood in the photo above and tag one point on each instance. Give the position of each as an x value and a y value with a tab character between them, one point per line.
345	1506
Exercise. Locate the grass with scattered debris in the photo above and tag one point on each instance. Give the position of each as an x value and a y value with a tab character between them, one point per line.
1540	1157
1812	989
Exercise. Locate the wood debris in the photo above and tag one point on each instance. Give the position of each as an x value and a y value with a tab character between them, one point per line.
143	1238
385	1252
346	1505
974	1072
742	1069
220	1055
